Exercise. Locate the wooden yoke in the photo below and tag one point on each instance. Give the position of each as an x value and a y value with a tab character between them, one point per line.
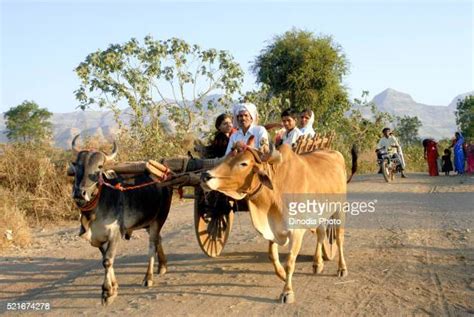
305	143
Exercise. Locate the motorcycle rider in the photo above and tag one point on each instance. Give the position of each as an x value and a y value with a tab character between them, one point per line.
390	143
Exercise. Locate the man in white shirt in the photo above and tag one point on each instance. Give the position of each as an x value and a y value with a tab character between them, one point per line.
390	143
292	133
246	116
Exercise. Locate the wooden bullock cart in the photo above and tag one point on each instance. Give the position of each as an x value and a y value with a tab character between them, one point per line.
214	212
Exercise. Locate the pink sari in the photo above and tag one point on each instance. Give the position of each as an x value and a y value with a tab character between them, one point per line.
470	158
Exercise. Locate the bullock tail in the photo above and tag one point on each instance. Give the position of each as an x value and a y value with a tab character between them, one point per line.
354	154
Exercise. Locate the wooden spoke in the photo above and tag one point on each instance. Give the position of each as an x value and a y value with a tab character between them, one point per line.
212	230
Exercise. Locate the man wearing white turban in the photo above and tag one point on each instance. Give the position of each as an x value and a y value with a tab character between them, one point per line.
246	118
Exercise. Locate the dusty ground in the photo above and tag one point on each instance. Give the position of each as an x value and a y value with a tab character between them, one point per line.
414	256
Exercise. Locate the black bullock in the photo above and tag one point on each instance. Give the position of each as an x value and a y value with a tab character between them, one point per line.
108	214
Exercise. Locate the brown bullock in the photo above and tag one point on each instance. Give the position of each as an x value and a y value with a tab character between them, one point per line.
264	179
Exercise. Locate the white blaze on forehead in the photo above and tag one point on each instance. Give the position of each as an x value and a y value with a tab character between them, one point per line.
213	183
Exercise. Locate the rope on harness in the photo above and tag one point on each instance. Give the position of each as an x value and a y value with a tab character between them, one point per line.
92	204
122	188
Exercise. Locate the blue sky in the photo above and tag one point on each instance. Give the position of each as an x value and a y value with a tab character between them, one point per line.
423	48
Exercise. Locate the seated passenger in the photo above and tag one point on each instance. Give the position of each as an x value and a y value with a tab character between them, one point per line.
221	138
292	133
246	116
306	122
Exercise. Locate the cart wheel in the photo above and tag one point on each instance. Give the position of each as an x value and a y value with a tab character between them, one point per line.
212	232
329	243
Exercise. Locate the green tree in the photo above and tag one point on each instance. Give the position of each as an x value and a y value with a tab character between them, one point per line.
28	122
269	107
465	116
158	78
308	71
407	130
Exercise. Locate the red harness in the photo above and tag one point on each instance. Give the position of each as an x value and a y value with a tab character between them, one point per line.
92	204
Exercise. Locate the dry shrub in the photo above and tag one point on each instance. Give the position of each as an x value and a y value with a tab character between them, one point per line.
36	177
13	225
133	148
367	160
414	158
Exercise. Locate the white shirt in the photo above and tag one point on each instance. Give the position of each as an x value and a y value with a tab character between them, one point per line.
387	144
291	137
308	130
259	132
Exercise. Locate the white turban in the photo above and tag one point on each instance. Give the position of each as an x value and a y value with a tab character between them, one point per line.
247	106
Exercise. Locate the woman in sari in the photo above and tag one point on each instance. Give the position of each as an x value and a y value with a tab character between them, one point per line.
431	155
470	158
224	129
458	145
306	122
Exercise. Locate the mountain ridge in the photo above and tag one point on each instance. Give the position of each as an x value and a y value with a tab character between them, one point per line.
438	121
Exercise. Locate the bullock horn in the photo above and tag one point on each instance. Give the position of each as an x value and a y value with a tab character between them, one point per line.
256	154
75	150
274	156
112	155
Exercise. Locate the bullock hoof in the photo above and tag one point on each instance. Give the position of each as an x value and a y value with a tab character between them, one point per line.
108	299
318	268
287	298
342	272
162	270
147	283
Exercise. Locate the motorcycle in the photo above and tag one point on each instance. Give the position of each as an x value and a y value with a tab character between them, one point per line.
390	164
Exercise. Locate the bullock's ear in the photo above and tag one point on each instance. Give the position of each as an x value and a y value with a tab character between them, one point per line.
85	229
110	174
71	169
251	141
263	177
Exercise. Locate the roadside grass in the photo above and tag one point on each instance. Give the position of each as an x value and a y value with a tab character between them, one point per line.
33	189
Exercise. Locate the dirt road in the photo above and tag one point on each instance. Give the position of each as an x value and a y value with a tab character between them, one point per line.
413	256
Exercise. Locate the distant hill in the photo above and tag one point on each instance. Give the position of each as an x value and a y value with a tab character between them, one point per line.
438	121
100	124
67	125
